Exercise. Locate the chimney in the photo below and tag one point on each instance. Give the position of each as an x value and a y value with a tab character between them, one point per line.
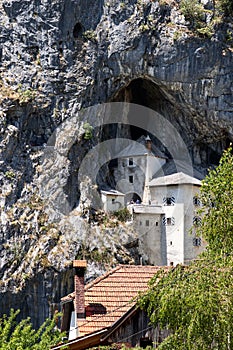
80	267
148	143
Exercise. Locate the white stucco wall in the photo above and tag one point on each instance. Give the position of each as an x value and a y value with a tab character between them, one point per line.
124	171
148	223
112	202
174	233
144	167
181	250
154	165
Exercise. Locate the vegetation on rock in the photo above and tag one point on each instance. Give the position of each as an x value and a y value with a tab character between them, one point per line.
122	215
202	20
195	303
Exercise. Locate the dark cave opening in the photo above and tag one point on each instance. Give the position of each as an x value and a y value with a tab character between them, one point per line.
147	93
155	97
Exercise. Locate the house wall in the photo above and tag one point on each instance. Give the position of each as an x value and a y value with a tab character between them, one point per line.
191	251
183	211
135	329
174	226
124	171
151	236
154	164
112	202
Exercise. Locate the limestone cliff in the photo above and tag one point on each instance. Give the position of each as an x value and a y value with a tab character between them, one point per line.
58	58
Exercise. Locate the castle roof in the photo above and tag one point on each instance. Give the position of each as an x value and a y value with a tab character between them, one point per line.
175	179
138	148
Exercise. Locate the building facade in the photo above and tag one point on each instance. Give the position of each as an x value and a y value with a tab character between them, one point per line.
167	221
137	165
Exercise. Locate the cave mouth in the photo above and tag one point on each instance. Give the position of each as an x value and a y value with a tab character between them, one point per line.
157	97
132	197
145	92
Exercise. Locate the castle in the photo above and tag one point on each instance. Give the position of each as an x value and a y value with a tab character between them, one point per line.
164	208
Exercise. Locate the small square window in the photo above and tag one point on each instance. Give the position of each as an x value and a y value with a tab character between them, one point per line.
196	201
197	242
168	221
131	179
130	161
197	221
147	222
168	200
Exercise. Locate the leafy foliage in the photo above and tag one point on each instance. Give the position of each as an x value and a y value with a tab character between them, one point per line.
88	131
217	207
122	214
193	11
226	6
203	21
22	336
195	303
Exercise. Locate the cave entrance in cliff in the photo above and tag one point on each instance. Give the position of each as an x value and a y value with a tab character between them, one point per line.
132	197
147	93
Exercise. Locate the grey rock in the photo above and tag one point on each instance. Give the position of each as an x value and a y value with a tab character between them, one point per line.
62	56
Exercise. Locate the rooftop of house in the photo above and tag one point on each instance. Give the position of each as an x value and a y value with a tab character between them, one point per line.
173	166
109	297
111	192
175	179
148	209
138	148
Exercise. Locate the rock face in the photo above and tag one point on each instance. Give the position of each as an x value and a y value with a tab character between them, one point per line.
59	57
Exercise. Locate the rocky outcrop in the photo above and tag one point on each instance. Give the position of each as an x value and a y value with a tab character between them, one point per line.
58	58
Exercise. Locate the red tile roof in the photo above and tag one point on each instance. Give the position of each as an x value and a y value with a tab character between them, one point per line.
109	297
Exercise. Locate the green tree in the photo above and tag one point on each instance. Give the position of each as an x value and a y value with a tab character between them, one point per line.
21	336
217	207
226	6
195	303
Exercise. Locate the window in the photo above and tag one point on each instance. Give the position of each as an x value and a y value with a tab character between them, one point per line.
140	223
196	221
168	200
131	179
113	200
196	201
156	224
147	222
197	242
130	161
170	242
168	221
123	163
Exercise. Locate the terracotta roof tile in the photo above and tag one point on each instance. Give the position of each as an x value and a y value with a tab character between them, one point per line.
110	296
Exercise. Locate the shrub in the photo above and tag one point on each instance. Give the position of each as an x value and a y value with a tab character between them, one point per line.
88	131
193	12
122	215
